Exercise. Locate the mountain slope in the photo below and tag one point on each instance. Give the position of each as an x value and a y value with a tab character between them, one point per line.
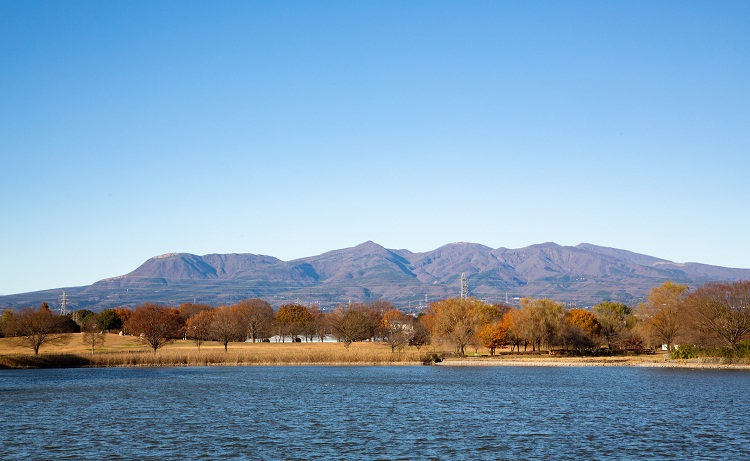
580	275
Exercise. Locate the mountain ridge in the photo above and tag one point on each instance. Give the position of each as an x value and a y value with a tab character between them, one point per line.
578	275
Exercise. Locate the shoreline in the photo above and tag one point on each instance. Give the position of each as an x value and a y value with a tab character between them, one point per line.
519	361
642	362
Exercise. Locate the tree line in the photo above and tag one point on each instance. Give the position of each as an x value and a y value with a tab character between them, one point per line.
716	315
712	316
248	320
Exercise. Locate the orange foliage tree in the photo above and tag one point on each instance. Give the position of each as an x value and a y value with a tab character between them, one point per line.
663	312
293	319
124	313
493	335
584	320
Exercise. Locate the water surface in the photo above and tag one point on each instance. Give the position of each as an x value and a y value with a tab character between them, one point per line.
375	413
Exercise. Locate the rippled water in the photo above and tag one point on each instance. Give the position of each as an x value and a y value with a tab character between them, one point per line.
374	413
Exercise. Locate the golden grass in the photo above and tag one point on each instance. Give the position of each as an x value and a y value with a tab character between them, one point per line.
117	350
128	351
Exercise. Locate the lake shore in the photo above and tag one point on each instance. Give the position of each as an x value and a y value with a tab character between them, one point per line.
646	361
127	351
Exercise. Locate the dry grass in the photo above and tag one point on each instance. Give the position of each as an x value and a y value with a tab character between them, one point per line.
71	351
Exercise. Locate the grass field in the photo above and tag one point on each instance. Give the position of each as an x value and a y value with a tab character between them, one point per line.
70	350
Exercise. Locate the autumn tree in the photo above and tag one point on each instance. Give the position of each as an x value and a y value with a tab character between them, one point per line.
34	328
188	310
124	313
155	324
256	316
585	320
580	330
614	320
539	321
722	310
293	320
456	321
663	312
350	324
226	326
492	313
5	320
493	335
512	322
375	311
198	327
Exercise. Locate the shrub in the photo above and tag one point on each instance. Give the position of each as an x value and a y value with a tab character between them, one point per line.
685	352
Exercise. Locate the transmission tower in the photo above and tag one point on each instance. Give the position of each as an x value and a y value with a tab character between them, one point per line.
464	286
64	303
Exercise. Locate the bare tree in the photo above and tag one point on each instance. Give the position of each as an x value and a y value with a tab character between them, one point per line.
226	326
256	316
92	334
350	324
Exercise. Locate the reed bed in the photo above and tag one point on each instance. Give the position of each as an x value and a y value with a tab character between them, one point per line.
259	356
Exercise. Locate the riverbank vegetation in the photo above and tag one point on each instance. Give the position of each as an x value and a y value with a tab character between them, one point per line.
72	351
712	321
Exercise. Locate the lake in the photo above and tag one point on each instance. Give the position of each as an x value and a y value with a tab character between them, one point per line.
375	413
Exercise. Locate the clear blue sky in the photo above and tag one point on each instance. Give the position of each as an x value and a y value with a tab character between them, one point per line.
132	129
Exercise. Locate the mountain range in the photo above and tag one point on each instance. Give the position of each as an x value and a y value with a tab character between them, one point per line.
580	275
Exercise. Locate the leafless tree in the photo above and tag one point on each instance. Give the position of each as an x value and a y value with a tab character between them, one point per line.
92	334
257	318
226	326
350	324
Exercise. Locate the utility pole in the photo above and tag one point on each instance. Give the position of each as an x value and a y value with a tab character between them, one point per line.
464	286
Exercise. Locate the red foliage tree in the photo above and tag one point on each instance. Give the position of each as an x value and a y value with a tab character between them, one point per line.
156	325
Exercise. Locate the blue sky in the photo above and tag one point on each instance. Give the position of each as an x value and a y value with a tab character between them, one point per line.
132	129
